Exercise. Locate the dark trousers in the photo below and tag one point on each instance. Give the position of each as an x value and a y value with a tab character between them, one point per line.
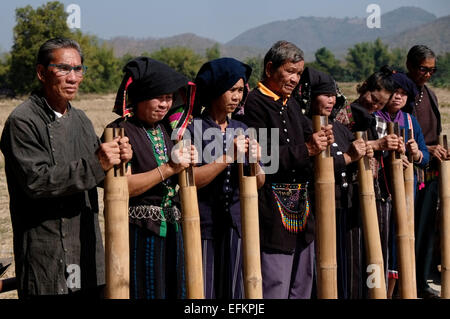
425	224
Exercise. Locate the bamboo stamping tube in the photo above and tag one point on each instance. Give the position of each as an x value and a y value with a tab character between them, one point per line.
402	229
444	191
374	257
408	175
325	211
117	251
248	193
191	234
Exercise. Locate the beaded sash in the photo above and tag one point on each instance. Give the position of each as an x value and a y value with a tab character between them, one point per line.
293	205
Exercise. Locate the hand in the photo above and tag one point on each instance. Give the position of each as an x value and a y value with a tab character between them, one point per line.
317	143
405	161
109	154
182	157
369	150
357	150
254	151
401	146
438	151
388	143
413	147
240	148
329	133
126	153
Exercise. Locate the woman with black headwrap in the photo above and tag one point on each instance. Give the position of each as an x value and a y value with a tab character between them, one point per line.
146	95
345	151
221	87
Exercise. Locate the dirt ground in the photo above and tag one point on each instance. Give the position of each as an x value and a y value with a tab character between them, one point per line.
98	109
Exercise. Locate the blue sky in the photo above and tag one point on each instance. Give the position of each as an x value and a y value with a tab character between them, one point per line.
221	20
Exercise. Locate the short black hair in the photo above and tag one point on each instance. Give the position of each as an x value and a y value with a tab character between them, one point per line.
280	53
381	80
417	54
45	56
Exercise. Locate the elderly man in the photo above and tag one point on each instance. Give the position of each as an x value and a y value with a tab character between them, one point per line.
286	224
421	64
54	162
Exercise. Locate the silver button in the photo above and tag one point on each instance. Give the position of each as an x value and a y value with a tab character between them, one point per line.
285	130
343	174
287	140
293	180
339	153
345	185
293	171
227	180
334	144
284	121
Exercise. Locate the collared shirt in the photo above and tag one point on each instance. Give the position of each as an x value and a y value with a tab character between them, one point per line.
268	92
52	173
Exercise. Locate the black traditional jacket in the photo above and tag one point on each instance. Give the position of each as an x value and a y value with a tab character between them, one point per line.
52	173
295	165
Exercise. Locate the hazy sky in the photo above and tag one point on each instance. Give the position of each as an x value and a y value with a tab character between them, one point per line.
221	20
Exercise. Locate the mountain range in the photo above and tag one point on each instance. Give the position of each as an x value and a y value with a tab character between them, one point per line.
402	28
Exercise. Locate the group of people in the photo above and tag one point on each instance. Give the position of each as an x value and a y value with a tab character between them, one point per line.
54	162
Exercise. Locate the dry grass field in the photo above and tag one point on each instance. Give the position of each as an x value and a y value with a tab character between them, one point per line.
98	109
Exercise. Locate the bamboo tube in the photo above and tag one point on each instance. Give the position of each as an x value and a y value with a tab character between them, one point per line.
248	193
408	175
444	192
402	229
371	231
117	250
191	233
325	211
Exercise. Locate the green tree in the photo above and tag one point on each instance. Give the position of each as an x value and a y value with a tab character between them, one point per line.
182	59
360	61
5	65
442	76
104	70
398	59
256	63
213	52
33	28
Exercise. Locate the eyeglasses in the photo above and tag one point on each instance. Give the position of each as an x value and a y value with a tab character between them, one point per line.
424	70
65	69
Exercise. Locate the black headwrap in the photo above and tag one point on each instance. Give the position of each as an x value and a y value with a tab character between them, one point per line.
321	82
144	79
216	77
404	82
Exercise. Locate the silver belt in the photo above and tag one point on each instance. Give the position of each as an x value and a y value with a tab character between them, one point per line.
155	213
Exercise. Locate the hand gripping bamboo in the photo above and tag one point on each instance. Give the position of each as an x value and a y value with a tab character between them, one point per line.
405	272
117	250
444	192
325	210
376	282
408	175
191	232
248	193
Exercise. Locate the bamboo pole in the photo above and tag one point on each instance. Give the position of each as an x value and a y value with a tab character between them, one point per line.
408	175
117	250
374	257
191	232
402	229
444	191
248	193
325	211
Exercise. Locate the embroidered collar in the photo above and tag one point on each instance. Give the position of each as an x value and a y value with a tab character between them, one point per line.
266	91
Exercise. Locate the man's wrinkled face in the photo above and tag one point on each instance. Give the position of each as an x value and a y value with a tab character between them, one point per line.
56	84
284	79
422	73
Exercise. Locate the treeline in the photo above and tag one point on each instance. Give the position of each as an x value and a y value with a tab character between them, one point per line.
34	26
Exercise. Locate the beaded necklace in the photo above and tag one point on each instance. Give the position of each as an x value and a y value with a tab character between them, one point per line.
420	98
